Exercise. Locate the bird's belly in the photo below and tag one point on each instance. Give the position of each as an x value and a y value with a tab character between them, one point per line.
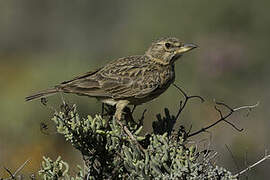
108	101
152	95
137	101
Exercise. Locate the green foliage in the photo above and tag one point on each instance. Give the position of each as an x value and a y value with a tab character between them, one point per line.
111	154
57	169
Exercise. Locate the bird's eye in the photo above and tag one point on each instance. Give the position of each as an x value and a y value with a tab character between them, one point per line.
168	45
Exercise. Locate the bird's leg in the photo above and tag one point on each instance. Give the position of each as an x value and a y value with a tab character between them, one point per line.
119	108
134	107
118	114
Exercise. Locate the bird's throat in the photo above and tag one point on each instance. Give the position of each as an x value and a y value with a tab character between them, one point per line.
158	61
175	57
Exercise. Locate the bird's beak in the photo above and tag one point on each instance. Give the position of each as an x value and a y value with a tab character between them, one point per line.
185	48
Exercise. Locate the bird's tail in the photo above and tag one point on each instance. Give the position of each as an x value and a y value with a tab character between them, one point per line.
42	94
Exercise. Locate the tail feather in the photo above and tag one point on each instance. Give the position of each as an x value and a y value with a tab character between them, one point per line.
42	94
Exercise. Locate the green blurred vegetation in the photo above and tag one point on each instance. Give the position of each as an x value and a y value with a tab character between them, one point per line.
45	42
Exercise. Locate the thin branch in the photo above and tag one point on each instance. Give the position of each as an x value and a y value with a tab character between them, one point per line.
133	109
185	94
10	173
183	104
233	125
247	107
21	167
199	97
219	111
13	175
142	118
190	128
225	105
266	157
234	160
223	118
231	112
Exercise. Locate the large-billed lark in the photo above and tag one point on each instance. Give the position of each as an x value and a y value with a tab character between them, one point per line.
130	80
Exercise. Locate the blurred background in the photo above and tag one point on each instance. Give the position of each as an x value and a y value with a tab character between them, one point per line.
45	42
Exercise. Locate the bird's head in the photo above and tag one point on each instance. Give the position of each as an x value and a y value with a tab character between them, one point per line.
167	50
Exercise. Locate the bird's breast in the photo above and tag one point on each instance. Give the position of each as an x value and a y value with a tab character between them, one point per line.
167	77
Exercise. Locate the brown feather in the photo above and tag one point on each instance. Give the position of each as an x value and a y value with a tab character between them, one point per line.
42	94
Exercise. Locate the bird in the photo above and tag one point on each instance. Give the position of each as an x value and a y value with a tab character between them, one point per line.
131	80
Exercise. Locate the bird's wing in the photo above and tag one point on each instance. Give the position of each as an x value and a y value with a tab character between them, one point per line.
134	88
110	86
120	79
85	84
85	75
131	79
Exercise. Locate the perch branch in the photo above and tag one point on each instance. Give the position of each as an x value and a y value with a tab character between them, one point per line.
223	118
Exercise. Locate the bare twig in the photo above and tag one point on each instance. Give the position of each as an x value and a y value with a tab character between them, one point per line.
233	158
236	128
266	157
142	118
247	107
133	109
21	167
183	104
13	175
10	173
223	118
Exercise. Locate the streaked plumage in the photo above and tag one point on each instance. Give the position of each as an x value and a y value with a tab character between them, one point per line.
129	80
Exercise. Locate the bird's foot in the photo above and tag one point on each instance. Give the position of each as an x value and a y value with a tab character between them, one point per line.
127	131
